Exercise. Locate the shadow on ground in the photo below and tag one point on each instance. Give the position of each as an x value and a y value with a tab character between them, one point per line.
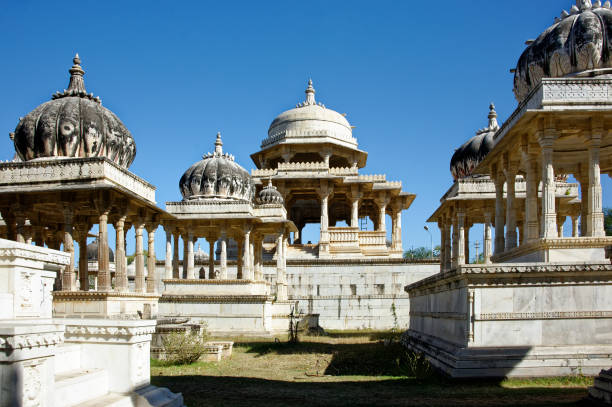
243	391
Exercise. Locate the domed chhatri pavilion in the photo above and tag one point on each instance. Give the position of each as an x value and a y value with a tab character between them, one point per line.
543	303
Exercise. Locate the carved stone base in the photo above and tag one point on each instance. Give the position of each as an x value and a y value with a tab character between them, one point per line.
95	304
568	249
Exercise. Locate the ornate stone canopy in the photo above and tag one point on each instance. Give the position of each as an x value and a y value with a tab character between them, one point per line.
74	124
269	195
467	157
217	176
579	42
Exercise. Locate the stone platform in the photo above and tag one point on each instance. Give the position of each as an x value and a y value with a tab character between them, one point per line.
514	319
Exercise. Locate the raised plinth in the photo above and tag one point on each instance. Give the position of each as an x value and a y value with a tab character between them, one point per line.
503	320
101	304
566	249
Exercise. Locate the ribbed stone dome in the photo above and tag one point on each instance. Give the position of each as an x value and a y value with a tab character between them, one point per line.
74	124
269	195
470	154
309	119
92	252
217	176
578	42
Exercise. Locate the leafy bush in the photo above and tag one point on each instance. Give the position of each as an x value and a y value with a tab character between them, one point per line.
413	364
184	348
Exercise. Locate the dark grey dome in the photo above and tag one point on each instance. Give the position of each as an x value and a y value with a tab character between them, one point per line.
217	176
269	195
74	124
470	154
92	252
578	41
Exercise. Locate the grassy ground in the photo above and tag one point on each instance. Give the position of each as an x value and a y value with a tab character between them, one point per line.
347	369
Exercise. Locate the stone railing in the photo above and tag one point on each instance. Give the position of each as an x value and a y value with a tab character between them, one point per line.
310	166
394	184
344	236
344	171
266	172
372	239
372	178
307	133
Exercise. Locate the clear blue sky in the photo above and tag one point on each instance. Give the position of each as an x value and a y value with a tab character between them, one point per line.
415	78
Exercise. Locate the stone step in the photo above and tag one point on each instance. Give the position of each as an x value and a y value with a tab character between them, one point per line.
111	400
67	358
78	386
157	397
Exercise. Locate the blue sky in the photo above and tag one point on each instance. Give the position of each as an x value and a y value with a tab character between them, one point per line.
415	78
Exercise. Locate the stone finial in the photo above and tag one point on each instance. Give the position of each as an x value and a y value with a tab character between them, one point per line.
77	84
584	4
493	125
218	145
310	94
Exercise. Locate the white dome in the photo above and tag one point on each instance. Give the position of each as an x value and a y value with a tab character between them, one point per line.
310	121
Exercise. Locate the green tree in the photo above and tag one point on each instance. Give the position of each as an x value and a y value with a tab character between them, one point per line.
421	253
608	221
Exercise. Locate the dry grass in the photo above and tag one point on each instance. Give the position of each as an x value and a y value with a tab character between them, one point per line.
346	370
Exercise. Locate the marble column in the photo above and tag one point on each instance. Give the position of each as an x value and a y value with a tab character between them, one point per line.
460	238
139	281
223	274
486	250
511	239
382	212
151	259
258	259
211	256
499	215
251	259
68	277
239	259
121	278
575	226
20	219
168	260
246	253
83	266
190	274
104	277
185	238
355	212
584	204
466	236
447	245
455	241
531	199
442	228
595	217
324	240
549	215
175	258
396	243
281	280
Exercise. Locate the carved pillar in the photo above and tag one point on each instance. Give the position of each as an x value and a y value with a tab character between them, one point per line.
68	277
396	235
460	237
356	196
281	279
211	256
448	259
584	203
549	215
169	260
257	258
574	225
139	281
511	239
190	274
486	250
595	217
121	278
382	203
175	257
324	194
252	258
531	199
521	232
185	238
466	236
20	219
83	267
239	259
223	274
246	253
455	247
151	274
104	277
443	237
499	214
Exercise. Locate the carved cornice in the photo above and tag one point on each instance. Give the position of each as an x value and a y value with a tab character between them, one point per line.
515	316
9	343
37	254
548	244
216	299
101	295
112	332
184	281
